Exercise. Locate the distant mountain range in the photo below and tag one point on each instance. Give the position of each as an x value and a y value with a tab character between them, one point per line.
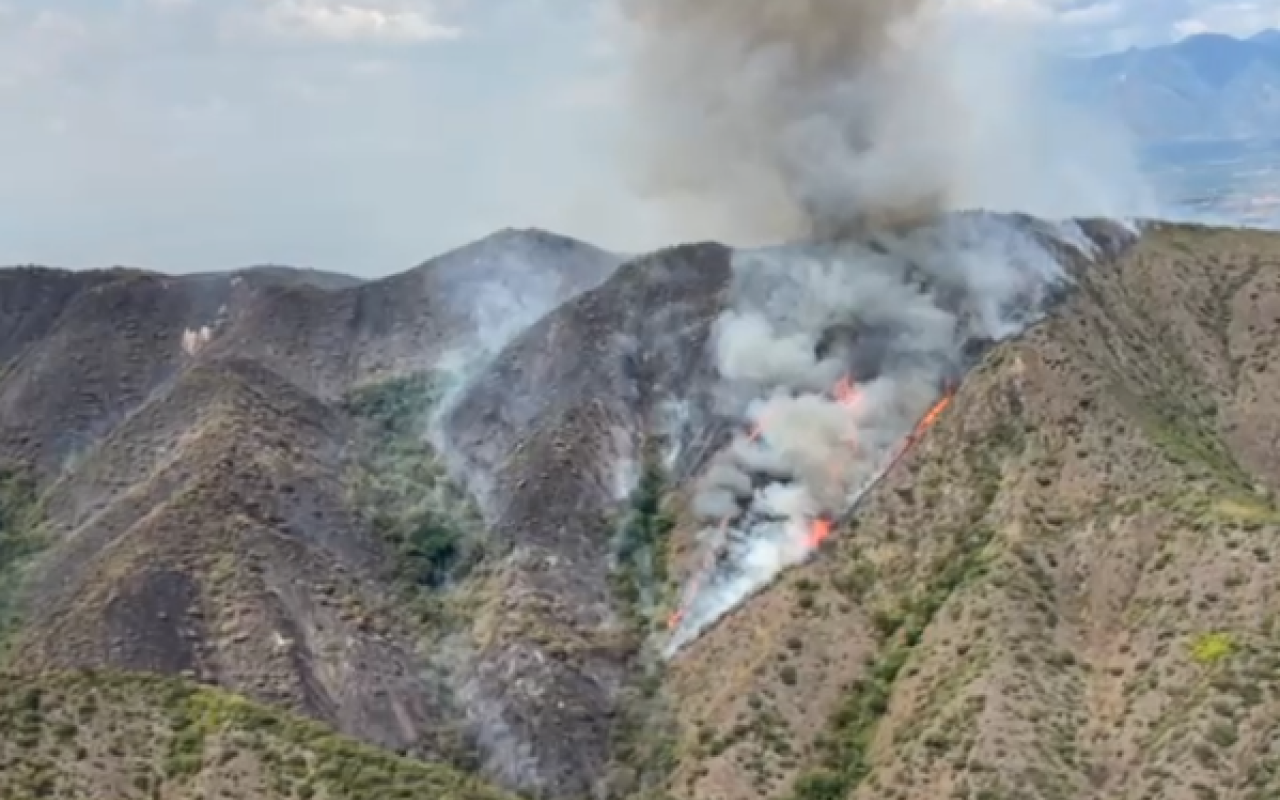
1208	86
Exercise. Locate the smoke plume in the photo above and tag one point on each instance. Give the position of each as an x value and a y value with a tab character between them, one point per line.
834	352
859	127
758	121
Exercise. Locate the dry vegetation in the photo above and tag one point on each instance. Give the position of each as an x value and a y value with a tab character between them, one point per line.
99	736
1066	591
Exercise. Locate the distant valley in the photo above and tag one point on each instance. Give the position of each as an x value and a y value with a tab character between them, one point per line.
1205	87
1205	112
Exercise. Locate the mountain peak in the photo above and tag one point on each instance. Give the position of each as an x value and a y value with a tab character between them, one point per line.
1269	37
534	242
1206	86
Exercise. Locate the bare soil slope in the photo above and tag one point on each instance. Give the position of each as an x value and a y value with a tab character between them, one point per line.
231	514
85	736
554	428
1065	590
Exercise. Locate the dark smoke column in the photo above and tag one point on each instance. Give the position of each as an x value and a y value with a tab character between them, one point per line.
786	119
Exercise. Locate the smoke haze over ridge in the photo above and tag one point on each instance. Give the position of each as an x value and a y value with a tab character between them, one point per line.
910	312
756	122
861	124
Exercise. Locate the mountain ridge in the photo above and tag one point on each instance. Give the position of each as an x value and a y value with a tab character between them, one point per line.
316	510
1208	86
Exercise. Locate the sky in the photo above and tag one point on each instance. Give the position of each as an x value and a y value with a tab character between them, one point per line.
361	136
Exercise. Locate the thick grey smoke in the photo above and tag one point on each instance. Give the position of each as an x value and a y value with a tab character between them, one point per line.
859	126
908	311
757	121
765	109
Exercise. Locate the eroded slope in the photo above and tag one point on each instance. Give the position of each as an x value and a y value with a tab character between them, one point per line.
241	512
105	736
554	435
1065	591
211	536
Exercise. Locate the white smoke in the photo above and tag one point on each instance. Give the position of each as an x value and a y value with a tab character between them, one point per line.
861	126
194	340
910	307
754	121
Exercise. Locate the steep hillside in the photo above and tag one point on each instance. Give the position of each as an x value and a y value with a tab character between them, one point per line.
462	541
211	535
31	299
553	436
90	736
188	510
445	314
102	342
1064	591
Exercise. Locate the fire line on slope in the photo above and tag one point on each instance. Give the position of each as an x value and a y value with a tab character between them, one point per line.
846	394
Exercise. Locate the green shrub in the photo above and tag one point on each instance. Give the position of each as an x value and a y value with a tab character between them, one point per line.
21	537
430	525
844	757
821	785
18	523
641	551
1210	648
398	406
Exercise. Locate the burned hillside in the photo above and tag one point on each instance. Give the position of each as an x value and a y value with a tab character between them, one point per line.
490	546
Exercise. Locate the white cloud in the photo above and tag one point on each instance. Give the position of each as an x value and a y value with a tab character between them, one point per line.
40	45
1067	12
1236	18
595	91
198	134
53	26
146	135
1090	26
340	22
1092	15
1191	27
1023	10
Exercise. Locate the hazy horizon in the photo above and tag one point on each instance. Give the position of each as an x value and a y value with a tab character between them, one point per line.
361	137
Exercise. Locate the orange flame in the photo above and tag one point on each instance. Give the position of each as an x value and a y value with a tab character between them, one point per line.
692	592
929	419
845	392
847	395
757	428
757	431
819	530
